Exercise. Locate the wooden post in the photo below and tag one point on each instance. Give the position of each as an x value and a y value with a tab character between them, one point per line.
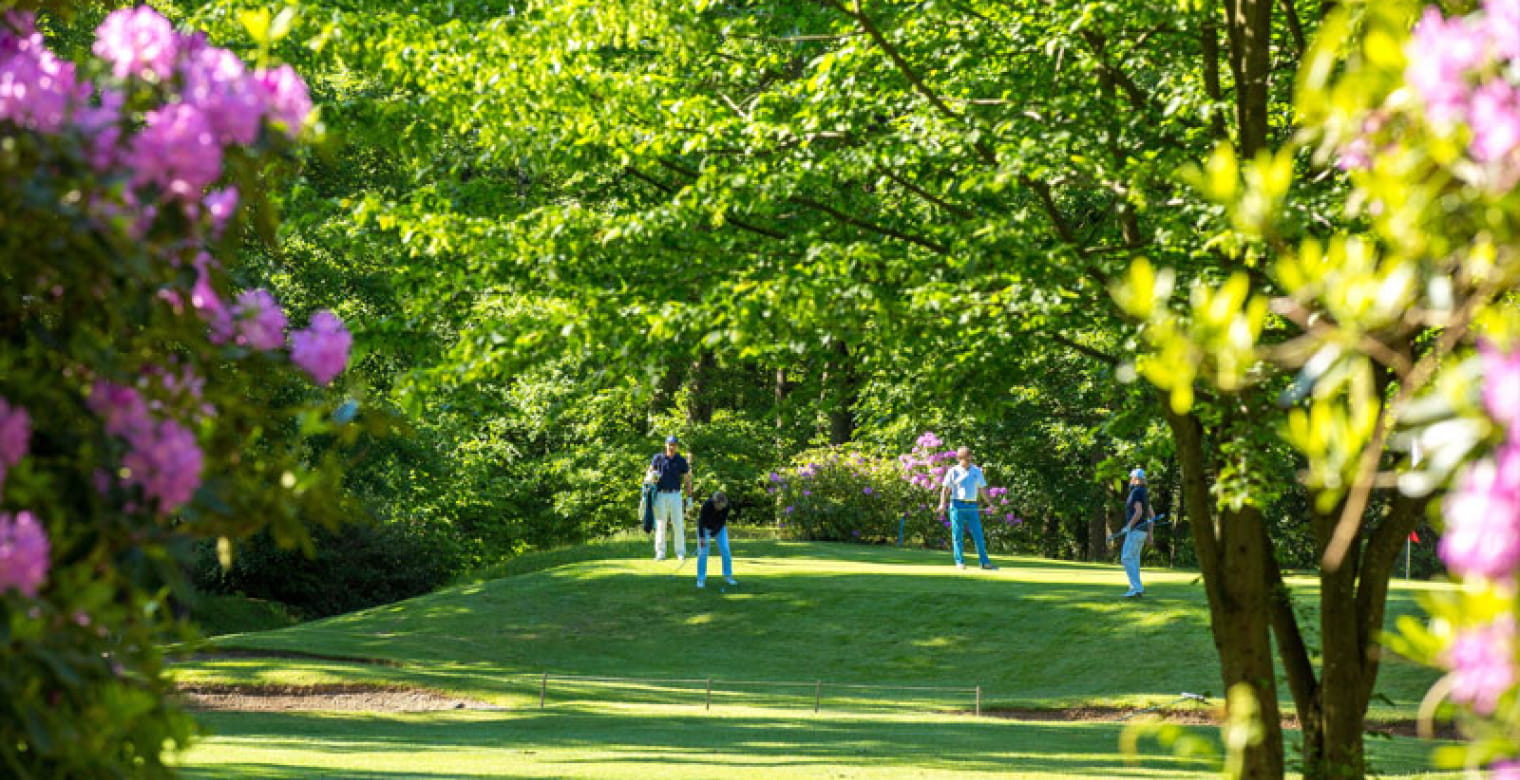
817	696
543	690
709	694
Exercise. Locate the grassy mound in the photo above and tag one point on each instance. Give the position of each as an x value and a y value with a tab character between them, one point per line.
877	638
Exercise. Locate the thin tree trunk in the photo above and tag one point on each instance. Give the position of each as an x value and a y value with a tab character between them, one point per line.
840	383
699	400
1233	554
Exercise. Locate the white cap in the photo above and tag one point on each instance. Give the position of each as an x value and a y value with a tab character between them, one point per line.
1137	474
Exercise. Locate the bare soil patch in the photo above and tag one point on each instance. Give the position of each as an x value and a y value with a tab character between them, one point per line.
294	698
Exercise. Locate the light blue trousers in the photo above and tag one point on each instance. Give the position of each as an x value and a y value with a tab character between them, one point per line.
704	539
967	517
1134	543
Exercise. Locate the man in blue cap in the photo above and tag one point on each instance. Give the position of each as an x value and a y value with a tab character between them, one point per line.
1138	516
672	478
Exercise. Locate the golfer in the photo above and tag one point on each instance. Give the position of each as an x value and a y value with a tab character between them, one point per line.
1138	516
712	525
963	485
672	491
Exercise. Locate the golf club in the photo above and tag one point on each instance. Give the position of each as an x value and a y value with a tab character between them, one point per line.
1157	523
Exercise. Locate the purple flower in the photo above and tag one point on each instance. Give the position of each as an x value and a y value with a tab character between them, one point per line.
15	434
789	509
1504	770
776	477
1495	121
176	151
122	408
1504	27
1482	536
1501	383
233	101
23	553
928	441
137	42
1482	663
37	89
208	304
1441	52
166	461
289	103
260	322
322	349
867	490
807	492
220	204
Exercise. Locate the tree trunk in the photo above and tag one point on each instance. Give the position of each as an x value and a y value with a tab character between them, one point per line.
1250	29
699	399
841	386
1232	553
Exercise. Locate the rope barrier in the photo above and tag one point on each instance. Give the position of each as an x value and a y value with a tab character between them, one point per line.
710	684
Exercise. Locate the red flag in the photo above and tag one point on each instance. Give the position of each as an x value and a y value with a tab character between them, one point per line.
1414	537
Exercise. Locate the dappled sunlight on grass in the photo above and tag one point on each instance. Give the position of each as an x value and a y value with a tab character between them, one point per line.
1035	634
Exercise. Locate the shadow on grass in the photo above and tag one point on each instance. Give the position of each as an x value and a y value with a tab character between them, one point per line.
601	743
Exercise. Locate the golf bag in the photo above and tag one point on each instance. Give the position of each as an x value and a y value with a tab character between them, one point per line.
646	507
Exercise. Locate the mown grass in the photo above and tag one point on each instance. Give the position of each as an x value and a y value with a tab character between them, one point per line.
1037	634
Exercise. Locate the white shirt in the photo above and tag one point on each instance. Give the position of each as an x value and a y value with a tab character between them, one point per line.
964	482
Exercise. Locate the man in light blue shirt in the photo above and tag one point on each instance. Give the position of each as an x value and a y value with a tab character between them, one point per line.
963	485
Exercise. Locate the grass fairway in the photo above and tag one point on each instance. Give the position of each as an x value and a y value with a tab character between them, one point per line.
1037	634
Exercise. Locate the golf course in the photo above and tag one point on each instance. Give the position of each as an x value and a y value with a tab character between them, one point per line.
827	660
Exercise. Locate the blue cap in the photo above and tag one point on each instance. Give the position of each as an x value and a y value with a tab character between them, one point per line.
1137	474
671	439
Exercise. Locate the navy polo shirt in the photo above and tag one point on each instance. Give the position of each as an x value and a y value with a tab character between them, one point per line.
670	468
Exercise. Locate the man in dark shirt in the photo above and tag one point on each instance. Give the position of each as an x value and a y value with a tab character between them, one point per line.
672	477
712	525
1137	525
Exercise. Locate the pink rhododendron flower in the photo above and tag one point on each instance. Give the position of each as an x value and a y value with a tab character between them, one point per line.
928	441
260	321
137	42
177	151
233	101
37	90
1501	386
221	204
101	124
208	304
1482	536
1441	52
166	462
1504	27
24	552
122	408
1495	120
321	350
1482	663
288	101
15	434
1504	770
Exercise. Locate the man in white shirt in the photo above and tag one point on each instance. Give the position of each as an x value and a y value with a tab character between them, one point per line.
963	485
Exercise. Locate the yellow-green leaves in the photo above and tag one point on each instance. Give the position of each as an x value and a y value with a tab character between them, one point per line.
1215	338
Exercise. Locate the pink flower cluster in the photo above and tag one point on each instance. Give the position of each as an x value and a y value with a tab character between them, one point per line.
176	149
1482	663
321	350
1466	70
1482	538
15	436
24	552
164	460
